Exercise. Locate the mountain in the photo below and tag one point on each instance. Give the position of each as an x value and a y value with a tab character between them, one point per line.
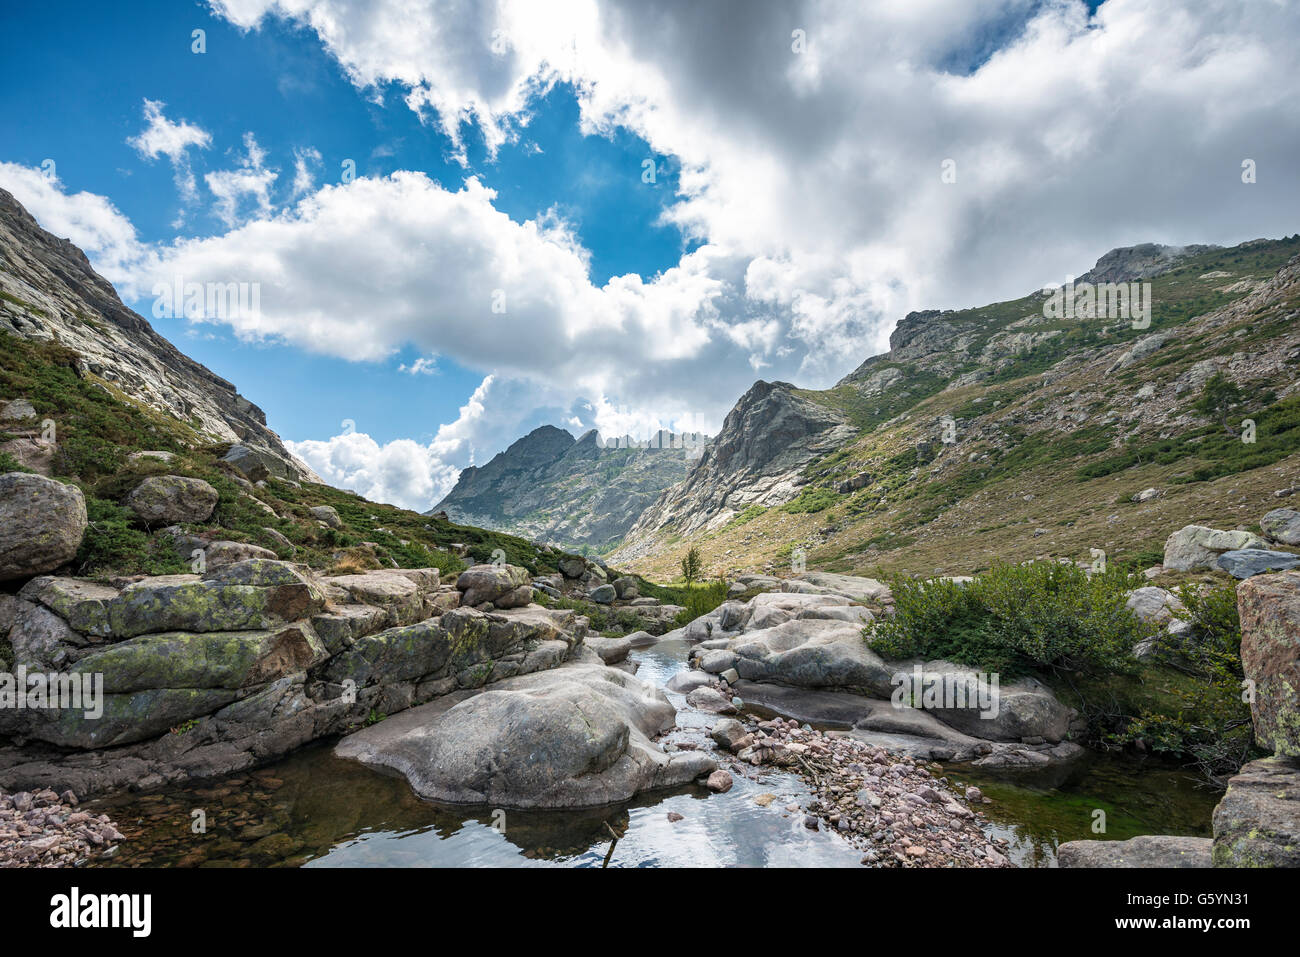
50	293
547	486
1013	430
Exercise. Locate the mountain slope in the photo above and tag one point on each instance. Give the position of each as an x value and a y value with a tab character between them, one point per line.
547	486
50	293
1055	425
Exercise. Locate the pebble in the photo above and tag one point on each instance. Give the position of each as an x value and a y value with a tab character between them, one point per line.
42	829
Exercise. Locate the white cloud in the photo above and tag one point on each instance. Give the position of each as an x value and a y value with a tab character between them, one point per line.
163	137
250	180
305	163
401	472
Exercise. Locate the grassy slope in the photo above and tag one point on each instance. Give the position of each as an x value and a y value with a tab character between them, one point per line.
98	426
929	509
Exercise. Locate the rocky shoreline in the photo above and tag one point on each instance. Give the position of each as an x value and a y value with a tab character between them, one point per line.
890	806
44	829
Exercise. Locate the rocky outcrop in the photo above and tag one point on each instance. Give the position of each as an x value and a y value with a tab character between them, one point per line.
42	523
756	459
196	675
1269	608
1257	824
1196	546
501	586
548	486
1282	525
573	737
52	294
1248	562
1145	851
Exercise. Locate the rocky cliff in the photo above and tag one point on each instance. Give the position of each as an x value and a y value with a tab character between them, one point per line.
49	292
548	486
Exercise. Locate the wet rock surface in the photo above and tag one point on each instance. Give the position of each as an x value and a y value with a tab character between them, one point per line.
44	829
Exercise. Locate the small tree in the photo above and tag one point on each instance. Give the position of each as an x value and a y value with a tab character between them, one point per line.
692	566
1219	397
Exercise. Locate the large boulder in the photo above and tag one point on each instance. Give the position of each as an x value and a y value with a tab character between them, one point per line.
328	515
808	653
252	595
257	464
627	588
399	595
574	737
603	594
83	604
830	583
572	566
1249	562
1019	710
171	499
41	524
1282	525
1196	546
505	586
1145	851
1269	608
1257	824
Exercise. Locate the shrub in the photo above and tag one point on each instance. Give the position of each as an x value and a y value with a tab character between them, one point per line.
700	600
1014	618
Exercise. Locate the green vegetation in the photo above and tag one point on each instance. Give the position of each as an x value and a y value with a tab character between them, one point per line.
1014	619
812	499
691	566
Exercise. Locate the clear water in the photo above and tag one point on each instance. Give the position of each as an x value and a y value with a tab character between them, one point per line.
315	810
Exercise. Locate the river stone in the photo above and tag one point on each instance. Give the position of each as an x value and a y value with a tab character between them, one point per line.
1144	851
506	586
610	650
171	499
811	653
1257	824
328	515
576	736
727	732
1282	525
686	681
1248	562
41	524
1196	546
711	700
1021	709
1269	607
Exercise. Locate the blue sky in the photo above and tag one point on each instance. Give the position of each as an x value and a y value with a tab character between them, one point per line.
279	84
499	260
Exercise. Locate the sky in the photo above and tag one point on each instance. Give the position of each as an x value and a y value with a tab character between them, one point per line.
460	221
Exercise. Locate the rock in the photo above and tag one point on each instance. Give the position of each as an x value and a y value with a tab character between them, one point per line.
674	817
974	795
610	650
42	523
505	586
280	540
603	594
1257	824
730	676
626	588
1155	604
709	699
1146	495
1269	607
809	653
227	553
727	733
171	499
327	514
849	586
1021	709
573	737
686	681
152	456
17	410
1144	851
81	603
400	597
247	596
1248	562
1196	546
572	566
719	782
257	464
1282	525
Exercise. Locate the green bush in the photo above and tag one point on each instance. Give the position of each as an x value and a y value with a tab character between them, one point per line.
700	600
1015	618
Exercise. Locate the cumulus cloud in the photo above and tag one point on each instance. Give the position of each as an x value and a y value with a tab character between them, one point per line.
402	472
164	137
251	179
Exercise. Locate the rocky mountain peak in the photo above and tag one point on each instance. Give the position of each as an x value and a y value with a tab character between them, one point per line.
1127	263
